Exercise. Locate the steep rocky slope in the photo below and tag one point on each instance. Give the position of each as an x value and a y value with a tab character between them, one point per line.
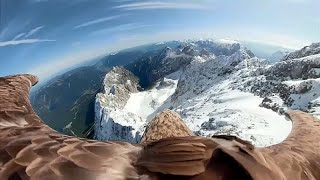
209	99
291	84
220	87
112	122
66	102
206	91
306	51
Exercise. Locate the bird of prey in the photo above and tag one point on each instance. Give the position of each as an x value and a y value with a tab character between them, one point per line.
29	149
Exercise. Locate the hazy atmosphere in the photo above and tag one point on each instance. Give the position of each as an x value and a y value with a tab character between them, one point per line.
159	89
43	37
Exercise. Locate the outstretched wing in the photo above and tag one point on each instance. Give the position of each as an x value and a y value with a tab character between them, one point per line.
171	151
298	156
29	149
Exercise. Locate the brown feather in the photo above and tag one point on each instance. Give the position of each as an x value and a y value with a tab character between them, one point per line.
30	145
165	124
178	156
35	165
32	150
298	156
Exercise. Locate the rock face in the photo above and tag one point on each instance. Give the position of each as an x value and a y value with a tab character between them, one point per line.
198	76
167	61
69	99
111	116
292	83
111	121
67	102
203	90
305	67
117	86
304	52
273	103
216	87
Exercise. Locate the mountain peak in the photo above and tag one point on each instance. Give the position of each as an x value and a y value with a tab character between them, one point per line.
312	49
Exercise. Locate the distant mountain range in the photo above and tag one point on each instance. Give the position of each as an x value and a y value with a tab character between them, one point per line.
211	84
217	87
66	102
306	51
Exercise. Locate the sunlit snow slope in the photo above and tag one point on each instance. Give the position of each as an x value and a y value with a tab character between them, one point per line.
211	93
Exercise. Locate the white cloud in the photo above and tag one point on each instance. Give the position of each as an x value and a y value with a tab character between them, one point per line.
18	36
299	1
96	21
33	31
25	35
284	40
58	64
63	62
80	56
38	1
76	43
23	41
3	32
160	5
252	34
122	27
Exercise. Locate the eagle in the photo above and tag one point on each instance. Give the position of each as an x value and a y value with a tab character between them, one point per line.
29	149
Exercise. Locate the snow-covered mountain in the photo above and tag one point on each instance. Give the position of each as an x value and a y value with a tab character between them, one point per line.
306	51
112	121
216	87
277	56
290	84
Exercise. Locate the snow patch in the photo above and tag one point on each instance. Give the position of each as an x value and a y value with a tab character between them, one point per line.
145	103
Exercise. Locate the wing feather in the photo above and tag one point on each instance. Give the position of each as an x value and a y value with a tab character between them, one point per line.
166	124
298	156
178	156
32	150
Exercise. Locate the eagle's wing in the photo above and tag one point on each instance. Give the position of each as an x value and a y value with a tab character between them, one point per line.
170	148
29	149
298	156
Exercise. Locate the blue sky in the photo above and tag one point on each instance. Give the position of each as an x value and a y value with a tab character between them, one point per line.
44	37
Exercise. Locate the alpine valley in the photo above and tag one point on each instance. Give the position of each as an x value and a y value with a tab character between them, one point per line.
216	86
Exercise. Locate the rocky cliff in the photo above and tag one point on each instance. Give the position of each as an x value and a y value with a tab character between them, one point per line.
111	121
304	52
220	88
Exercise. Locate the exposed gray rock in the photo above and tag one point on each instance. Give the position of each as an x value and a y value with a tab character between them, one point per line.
306	51
273	102
209	125
164	83
296	68
118	84
314	73
164	63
